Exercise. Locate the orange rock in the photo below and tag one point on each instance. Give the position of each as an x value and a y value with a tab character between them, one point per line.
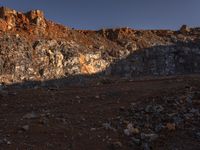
171	126
3	25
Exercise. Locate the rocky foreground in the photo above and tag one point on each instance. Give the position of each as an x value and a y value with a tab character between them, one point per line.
94	90
159	114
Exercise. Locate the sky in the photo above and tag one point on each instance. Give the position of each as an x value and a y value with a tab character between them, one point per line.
96	14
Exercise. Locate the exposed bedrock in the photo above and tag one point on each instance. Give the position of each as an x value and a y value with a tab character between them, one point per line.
33	48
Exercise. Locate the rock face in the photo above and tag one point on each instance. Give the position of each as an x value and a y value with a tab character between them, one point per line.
9	16
37	17
32	48
15	20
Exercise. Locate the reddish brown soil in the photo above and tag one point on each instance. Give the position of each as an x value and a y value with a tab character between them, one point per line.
71	118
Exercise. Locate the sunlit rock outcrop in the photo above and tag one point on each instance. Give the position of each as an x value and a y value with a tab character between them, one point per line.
33	48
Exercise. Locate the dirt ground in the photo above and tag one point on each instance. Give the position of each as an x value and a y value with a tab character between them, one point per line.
103	116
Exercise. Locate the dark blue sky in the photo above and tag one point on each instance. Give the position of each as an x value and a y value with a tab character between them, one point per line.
95	14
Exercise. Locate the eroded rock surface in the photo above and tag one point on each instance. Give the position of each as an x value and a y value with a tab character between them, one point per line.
33	48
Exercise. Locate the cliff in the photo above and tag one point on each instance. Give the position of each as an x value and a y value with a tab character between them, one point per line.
34	48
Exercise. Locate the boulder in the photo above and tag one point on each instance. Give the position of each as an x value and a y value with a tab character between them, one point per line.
9	16
36	17
184	29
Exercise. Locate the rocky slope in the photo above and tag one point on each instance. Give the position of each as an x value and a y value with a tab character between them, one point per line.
144	110
33	48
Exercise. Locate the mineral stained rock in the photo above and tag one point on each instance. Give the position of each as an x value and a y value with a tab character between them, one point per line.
33	48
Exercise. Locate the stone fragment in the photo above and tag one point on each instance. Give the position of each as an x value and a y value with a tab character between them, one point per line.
31	115
136	141
171	126
149	137
131	130
25	128
108	126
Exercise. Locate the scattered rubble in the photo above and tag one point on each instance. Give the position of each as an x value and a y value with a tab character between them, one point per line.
140	114
163	114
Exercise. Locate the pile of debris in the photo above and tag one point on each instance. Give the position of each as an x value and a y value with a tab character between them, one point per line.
146	124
